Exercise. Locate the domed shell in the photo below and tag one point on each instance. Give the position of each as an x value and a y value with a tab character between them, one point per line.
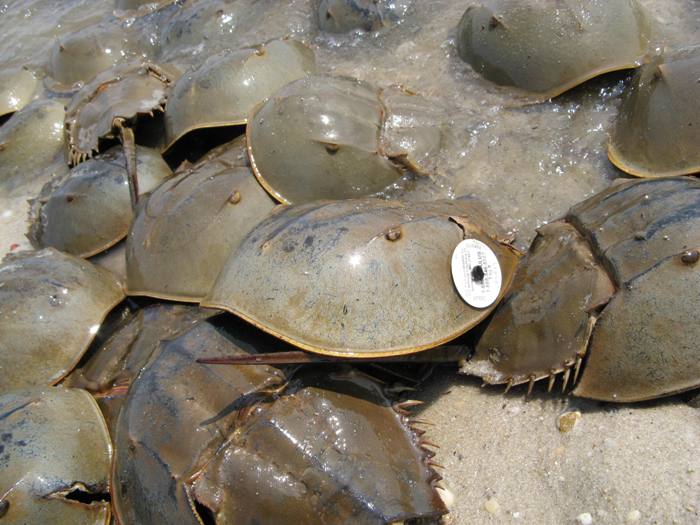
340	16
237	444
227	86
55	442
89	210
359	278
79	57
51	306
319	138
658	127
123	92
607	293
547	47
29	141
17	88
186	229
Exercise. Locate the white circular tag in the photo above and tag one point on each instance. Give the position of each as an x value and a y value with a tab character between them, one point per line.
476	273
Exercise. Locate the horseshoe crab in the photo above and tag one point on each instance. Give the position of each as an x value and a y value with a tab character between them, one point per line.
79	57
260	445
183	233
344	262
325	138
107	108
51	306
88	211
228	85
114	360
658	126
608	293
341	16
18	87
29	141
55	455
548	47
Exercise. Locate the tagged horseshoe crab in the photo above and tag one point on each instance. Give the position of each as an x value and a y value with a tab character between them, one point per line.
341	16
55	455
607	297
550	46
29	141
334	138
17	88
183	233
51	306
344	262
108	107
227	86
658	126
260	445
89	210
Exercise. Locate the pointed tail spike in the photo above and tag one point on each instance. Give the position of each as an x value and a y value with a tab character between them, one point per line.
567	373
508	386
552	379
529	386
577	369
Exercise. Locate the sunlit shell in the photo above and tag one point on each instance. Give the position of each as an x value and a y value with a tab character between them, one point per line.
227	86
608	294
89	210
17	88
341	16
547	47
658	126
359	278
239	444
51	306
55	451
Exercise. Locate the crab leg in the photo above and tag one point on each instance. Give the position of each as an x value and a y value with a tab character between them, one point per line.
126	134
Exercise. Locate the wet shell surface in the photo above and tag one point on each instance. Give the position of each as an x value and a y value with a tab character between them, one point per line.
658	127
51	306
123	92
607	294
29	141
242	444
341	16
89	210
184	232
547	47
225	89
79	57
55	454
321	275
17	88
325	138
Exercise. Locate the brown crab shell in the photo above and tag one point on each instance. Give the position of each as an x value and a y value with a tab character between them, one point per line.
607	293
545	48
658	127
55	444
51	306
240	444
89	211
183	233
228	85
121	93
322	276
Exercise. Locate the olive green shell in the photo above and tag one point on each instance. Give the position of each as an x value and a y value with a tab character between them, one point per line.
547	47
51	306
237	444
54	444
609	284
183	233
79	57
359	278
123	92
227	86
17	88
89	210
658	128
325	138
29	141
